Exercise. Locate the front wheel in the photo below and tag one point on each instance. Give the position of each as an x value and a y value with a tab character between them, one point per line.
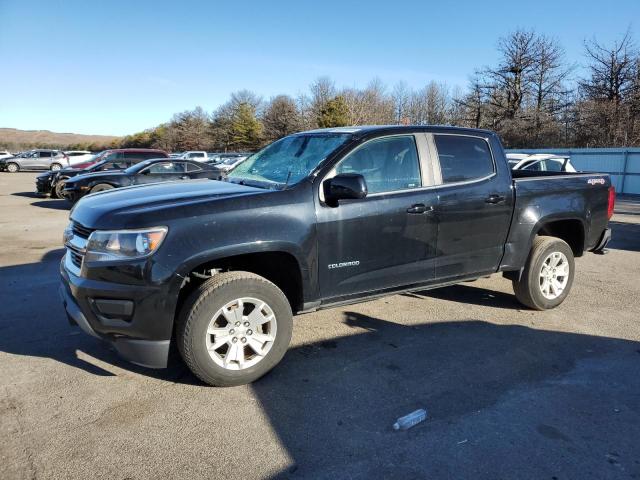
101	187
234	328
58	189
548	274
12	167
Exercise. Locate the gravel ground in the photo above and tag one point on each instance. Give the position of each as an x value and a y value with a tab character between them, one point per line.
510	393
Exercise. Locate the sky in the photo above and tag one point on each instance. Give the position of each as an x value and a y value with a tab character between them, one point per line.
118	67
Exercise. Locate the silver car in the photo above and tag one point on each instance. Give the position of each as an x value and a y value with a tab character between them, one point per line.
40	159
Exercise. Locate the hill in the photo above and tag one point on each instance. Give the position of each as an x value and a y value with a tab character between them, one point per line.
14	139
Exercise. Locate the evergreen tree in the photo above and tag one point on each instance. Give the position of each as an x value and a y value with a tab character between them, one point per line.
335	113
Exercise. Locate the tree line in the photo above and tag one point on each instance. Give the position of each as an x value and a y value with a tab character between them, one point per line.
533	97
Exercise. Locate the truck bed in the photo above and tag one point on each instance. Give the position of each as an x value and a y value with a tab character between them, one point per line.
546	197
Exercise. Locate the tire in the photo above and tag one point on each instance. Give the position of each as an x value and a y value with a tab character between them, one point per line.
534	281
101	187
13	167
55	167
201	311
57	191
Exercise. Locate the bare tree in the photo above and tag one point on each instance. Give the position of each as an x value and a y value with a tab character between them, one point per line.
548	77
473	105
510	82
400	96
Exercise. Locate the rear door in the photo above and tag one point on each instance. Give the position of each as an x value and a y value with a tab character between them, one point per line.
42	159
474	205
387	239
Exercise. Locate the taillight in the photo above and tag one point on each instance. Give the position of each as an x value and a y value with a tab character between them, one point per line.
612	201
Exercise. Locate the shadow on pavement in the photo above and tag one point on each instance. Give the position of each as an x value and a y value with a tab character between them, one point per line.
625	236
332	403
27	195
54	204
45	202
34	323
468	294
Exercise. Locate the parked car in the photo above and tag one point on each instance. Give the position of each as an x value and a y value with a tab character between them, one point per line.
229	161
116	159
40	159
541	162
314	220
194	155
150	171
78	156
5	154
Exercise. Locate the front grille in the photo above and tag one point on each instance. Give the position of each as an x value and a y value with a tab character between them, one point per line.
81	230
76	258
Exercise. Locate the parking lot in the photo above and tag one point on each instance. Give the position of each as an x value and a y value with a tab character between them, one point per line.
510	393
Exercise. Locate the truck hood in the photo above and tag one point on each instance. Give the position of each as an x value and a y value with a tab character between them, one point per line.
129	206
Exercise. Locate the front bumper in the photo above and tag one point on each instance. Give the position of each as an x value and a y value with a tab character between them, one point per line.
132	318
43	185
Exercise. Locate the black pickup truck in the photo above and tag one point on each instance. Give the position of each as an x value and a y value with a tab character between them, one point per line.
314	220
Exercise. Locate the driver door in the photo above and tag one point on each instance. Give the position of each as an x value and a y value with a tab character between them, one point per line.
383	240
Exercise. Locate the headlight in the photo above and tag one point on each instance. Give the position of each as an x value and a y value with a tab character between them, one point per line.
124	244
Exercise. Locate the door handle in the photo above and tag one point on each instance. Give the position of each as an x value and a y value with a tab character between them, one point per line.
419	208
494	198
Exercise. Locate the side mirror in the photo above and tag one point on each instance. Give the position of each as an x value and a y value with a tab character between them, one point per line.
343	187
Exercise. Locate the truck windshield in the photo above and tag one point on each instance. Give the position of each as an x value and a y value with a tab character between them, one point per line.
288	160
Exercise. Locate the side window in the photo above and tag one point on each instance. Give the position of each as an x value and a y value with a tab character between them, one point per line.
45	154
192	167
112	166
534	166
553	165
150	155
166	167
463	158
387	164
115	161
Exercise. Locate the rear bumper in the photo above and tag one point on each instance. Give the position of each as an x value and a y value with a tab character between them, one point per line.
82	310
605	238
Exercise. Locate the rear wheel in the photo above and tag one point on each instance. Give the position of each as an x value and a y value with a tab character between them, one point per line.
55	167
548	274
12	167
234	328
101	187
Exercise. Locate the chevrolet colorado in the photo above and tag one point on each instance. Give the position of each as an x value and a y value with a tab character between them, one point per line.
314	220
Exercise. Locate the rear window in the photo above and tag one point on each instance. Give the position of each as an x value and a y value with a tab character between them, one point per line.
192	167
463	158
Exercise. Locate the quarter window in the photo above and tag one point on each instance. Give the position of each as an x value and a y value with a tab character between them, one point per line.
463	158
387	164
166	167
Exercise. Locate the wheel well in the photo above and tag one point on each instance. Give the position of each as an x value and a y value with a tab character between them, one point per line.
281	268
571	231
